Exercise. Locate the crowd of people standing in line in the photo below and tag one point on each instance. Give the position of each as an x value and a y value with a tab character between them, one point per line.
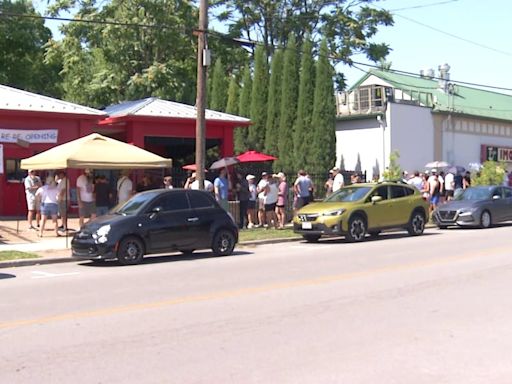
264	203
438	187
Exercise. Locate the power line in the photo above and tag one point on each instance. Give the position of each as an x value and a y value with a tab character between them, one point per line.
455	36
248	42
423	6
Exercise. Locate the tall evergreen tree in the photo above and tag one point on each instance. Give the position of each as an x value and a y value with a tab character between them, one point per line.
256	139
219	95
303	133
274	104
233	94
290	86
244	109
324	115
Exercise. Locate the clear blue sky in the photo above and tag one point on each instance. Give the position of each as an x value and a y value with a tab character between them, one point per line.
486	56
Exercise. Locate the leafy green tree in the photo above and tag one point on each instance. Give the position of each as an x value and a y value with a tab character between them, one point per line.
303	132
219	95
22	43
244	109
108	63
348	26
274	104
324	116
491	173
233	95
393	171
290	86
256	139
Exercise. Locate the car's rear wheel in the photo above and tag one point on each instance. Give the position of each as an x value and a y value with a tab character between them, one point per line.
311	238
223	243
356	229
131	251
416	224
485	219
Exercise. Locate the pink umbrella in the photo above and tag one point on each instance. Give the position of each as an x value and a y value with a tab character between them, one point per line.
191	167
254	156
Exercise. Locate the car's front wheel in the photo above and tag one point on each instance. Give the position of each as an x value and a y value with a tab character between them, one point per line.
485	220
356	229
223	243
416	224
131	251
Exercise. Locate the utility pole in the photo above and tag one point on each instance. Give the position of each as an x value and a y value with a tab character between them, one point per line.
203	60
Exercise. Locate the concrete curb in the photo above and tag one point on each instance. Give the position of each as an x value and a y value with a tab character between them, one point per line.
56	260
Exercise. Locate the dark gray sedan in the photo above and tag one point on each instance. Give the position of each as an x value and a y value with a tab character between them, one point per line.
480	206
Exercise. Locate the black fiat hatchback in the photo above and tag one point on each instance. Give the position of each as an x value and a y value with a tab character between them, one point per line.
157	221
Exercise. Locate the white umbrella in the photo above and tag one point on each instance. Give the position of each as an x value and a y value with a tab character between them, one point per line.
437	164
224	162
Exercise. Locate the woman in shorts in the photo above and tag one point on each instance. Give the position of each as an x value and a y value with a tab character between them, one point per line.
48	195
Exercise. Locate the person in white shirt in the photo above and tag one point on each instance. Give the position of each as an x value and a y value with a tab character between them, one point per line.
260	188
85	197
124	187
270	196
338	181
193	183
48	195
449	185
416	181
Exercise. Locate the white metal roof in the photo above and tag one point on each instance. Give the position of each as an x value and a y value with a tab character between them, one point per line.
155	107
12	99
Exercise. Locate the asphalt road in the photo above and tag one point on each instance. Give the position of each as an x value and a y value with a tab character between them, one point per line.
430	309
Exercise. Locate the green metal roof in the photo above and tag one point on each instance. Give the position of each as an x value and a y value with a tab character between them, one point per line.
465	100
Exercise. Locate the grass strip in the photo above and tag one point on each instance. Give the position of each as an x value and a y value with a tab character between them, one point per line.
17	255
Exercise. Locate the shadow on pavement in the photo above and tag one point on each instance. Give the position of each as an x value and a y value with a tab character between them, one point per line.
6	276
164	258
381	237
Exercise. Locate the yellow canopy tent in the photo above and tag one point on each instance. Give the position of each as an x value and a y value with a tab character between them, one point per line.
97	152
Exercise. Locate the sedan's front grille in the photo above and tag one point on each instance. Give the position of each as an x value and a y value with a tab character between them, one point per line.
308	217
447	215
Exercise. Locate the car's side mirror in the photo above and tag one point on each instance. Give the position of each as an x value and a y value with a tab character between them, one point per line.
376	199
496	197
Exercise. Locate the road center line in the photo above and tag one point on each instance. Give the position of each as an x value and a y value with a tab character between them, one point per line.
252	290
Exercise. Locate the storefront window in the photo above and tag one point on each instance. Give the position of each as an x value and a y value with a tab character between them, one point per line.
13	171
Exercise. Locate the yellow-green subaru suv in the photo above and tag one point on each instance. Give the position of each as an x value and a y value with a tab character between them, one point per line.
360	209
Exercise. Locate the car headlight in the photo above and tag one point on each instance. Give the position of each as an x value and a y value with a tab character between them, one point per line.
464	212
336	212
101	234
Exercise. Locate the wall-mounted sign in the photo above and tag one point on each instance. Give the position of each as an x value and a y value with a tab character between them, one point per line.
495	153
28	135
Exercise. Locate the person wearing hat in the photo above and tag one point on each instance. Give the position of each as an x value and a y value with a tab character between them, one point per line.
251	205
338	180
261	188
32	183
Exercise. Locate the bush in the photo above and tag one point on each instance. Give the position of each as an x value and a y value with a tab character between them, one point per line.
491	173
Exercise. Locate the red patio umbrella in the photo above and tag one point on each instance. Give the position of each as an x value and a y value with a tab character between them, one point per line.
254	156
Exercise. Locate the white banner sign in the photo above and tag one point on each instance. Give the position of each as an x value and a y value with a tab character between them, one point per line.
31	136
1	159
